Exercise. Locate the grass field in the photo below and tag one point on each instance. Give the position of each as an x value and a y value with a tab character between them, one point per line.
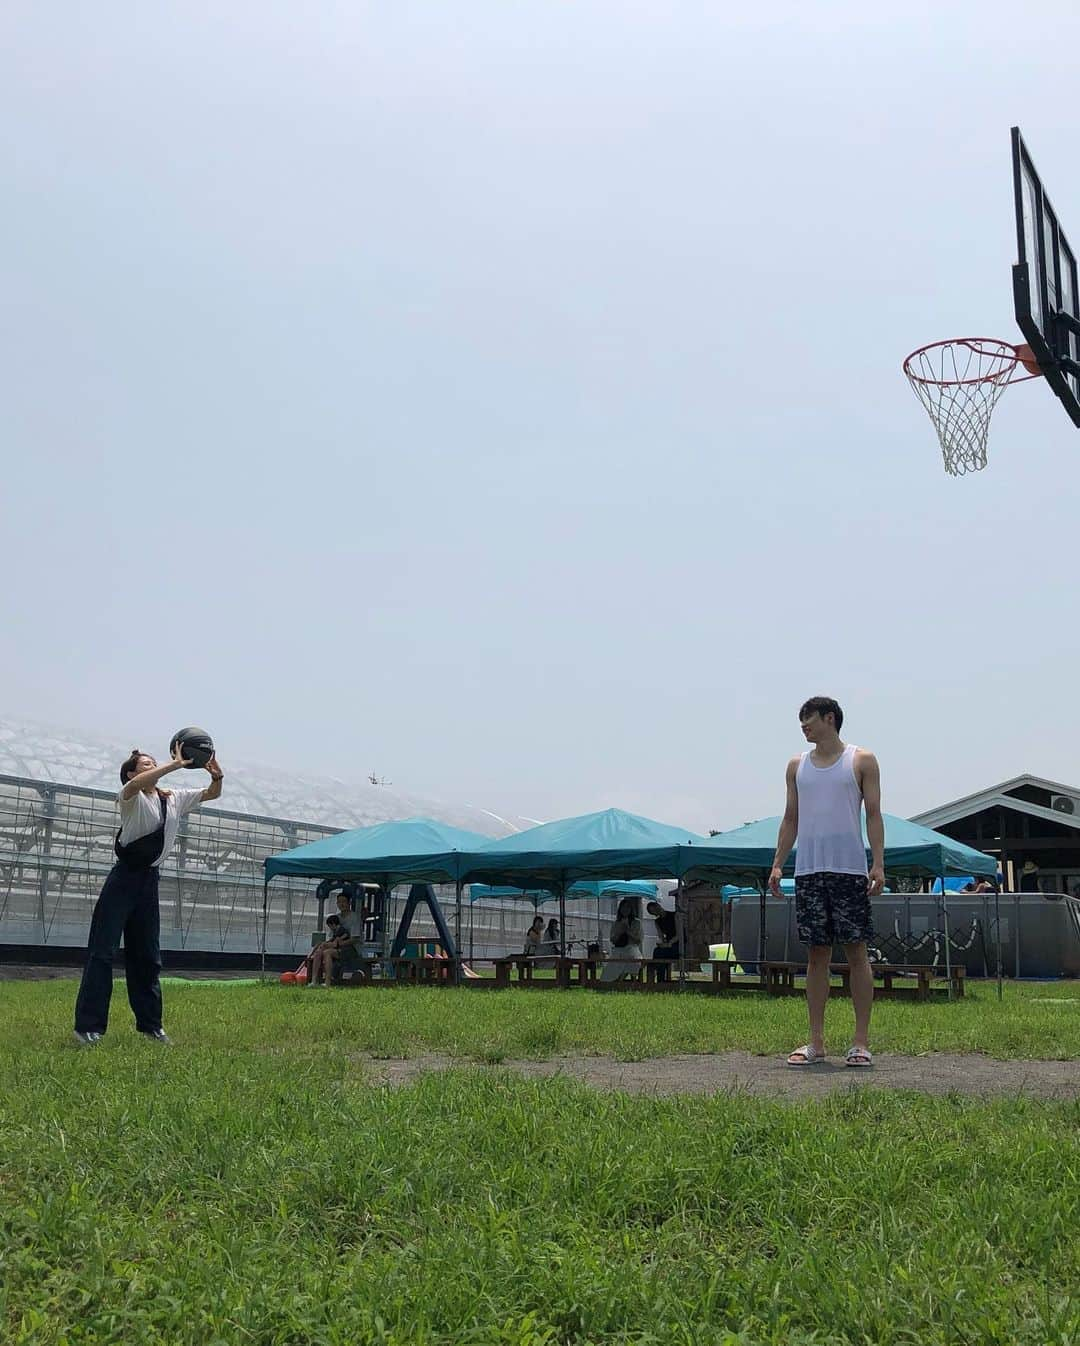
1034	1020
251	1185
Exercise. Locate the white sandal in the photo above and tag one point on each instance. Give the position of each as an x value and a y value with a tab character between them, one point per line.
859	1056
811	1057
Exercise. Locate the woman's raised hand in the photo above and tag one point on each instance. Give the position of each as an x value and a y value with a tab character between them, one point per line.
178	758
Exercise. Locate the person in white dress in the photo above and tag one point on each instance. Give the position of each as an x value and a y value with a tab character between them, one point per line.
624	960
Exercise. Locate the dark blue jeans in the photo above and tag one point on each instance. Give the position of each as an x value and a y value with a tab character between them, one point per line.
128	907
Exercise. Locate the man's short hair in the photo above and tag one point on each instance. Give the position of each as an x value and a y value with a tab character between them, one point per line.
823	705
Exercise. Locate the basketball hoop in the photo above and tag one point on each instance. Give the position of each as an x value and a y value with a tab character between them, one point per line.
959	383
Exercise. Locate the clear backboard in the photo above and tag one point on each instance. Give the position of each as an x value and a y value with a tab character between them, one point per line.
1045	291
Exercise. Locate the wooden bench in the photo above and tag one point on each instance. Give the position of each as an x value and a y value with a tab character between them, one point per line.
652	974
642	974
778	978
526	966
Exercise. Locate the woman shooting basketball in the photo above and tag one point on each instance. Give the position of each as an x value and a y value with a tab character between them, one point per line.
128	904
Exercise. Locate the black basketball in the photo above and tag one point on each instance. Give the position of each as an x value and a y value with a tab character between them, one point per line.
196	745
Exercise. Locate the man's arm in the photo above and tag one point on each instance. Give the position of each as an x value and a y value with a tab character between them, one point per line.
870	783
789	829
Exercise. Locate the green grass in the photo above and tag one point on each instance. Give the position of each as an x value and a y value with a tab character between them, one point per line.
251	1185
492	1026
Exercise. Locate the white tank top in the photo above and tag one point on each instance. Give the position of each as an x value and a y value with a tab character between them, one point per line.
830	839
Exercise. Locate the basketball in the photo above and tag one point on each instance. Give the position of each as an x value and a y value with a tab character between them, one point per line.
196	745
1026	356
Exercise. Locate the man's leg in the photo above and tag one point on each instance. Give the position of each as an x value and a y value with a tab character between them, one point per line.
814	927
106	927
817	992
862	991
853	917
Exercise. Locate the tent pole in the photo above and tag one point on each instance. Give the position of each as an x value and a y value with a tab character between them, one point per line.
997	923
384	933
562	929
945	923
262	942
680	926
763	934
457	933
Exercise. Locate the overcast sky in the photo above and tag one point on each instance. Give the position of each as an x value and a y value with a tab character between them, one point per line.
506	397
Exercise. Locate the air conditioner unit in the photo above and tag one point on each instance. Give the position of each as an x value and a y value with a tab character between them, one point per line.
1065	804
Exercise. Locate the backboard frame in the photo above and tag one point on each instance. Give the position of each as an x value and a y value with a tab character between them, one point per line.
1046	292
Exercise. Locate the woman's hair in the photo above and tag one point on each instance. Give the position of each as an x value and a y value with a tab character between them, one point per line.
553	922
537	920
627	908
130	767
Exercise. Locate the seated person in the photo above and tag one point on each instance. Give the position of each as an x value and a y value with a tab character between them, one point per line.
338	951
551	944
348	946
534	938
326	957
625	943
667	936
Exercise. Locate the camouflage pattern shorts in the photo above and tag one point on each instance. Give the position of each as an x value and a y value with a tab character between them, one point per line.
833	909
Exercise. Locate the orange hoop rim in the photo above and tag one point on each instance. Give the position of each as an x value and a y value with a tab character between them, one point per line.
1003	375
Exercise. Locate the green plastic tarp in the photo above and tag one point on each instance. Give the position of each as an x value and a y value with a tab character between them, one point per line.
416	850
909	850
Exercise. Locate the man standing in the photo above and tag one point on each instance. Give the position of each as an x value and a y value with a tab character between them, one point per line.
827	789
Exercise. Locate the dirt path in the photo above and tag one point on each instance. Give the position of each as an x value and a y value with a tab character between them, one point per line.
766	1076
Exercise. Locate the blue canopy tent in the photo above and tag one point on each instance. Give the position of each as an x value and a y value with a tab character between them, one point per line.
595	890
394	852
609	844
598	888
746	853
416	850
605	845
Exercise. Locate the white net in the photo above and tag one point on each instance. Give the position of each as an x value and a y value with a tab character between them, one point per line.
959	383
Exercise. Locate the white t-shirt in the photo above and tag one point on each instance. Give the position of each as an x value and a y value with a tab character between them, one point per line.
142	815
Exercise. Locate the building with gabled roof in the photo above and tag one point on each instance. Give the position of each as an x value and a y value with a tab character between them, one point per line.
1026	821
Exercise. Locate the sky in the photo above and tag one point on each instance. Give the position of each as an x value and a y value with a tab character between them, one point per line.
506	397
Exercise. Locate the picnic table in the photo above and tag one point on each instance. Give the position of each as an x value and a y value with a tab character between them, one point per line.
775	977
778	978
648	974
